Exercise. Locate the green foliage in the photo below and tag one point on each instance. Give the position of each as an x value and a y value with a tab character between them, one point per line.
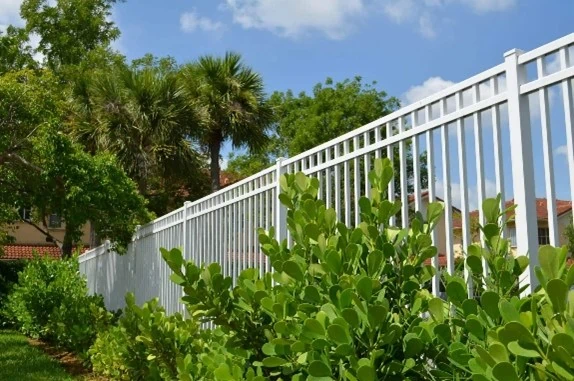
342	303
147	132
8	278
351	303
69	29
15	51
229	97
42	168
246	165
148	345
569	236
50	301
305	121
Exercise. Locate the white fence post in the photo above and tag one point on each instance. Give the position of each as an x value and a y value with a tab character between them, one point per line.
184	251
522	166
184	229
280	210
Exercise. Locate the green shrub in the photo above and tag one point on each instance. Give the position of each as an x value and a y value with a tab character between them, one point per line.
351	303
51	302
8	278
148	345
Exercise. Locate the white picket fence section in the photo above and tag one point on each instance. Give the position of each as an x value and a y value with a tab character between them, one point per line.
222	226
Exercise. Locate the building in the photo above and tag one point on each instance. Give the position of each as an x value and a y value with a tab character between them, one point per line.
27	238
563	212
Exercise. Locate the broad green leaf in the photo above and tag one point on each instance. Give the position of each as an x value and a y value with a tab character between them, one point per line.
456	292
489	303
504	371
318	368
518	349
273	362
351	316
374	261
365	288
498	352
508	311
366	373
558	293
491	210
293	269
549	261
338	334
436	308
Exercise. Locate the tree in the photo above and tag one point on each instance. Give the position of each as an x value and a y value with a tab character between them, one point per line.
15	51
43	169
69	29
230	98
246	165
141	116
306	121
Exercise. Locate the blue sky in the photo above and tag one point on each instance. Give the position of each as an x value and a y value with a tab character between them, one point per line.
412	48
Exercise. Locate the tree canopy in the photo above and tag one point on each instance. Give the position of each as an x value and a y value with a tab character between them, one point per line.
230	99
69	29
334	108
43	169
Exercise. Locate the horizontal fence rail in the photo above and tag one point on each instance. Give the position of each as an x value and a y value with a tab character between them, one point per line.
490	134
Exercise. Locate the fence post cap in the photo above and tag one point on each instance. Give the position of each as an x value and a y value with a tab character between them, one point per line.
279	159
513	52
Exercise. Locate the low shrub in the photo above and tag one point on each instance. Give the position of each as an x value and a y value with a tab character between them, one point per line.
51	302
351	304
8	278
149	345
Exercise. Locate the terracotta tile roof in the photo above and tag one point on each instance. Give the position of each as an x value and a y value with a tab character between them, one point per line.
562	207
19	251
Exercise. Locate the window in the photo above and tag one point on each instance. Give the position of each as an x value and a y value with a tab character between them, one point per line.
512	236
54	221
543	236
25	214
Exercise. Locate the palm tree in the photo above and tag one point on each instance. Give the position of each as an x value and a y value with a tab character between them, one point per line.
229	97
141	116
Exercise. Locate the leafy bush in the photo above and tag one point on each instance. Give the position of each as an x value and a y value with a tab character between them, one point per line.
51	302
148	345
8	278
351	303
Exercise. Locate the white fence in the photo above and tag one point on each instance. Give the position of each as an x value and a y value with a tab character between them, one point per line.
476	139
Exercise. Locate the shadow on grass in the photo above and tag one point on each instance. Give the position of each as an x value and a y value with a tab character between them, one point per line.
21	362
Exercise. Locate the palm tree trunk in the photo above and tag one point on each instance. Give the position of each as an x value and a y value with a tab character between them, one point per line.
214	150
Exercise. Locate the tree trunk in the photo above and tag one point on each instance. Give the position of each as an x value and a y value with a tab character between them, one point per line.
214	150
67	246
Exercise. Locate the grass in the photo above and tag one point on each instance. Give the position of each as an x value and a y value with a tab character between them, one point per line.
22	362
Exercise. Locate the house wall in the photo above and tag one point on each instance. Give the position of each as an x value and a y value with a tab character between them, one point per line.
27	234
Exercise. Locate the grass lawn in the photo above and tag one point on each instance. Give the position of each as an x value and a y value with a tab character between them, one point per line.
21	362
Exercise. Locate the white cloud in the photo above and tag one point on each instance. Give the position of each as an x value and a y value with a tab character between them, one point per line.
427	88
293	18
419	12
192	21
426	26
484	6
400	10
562	150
